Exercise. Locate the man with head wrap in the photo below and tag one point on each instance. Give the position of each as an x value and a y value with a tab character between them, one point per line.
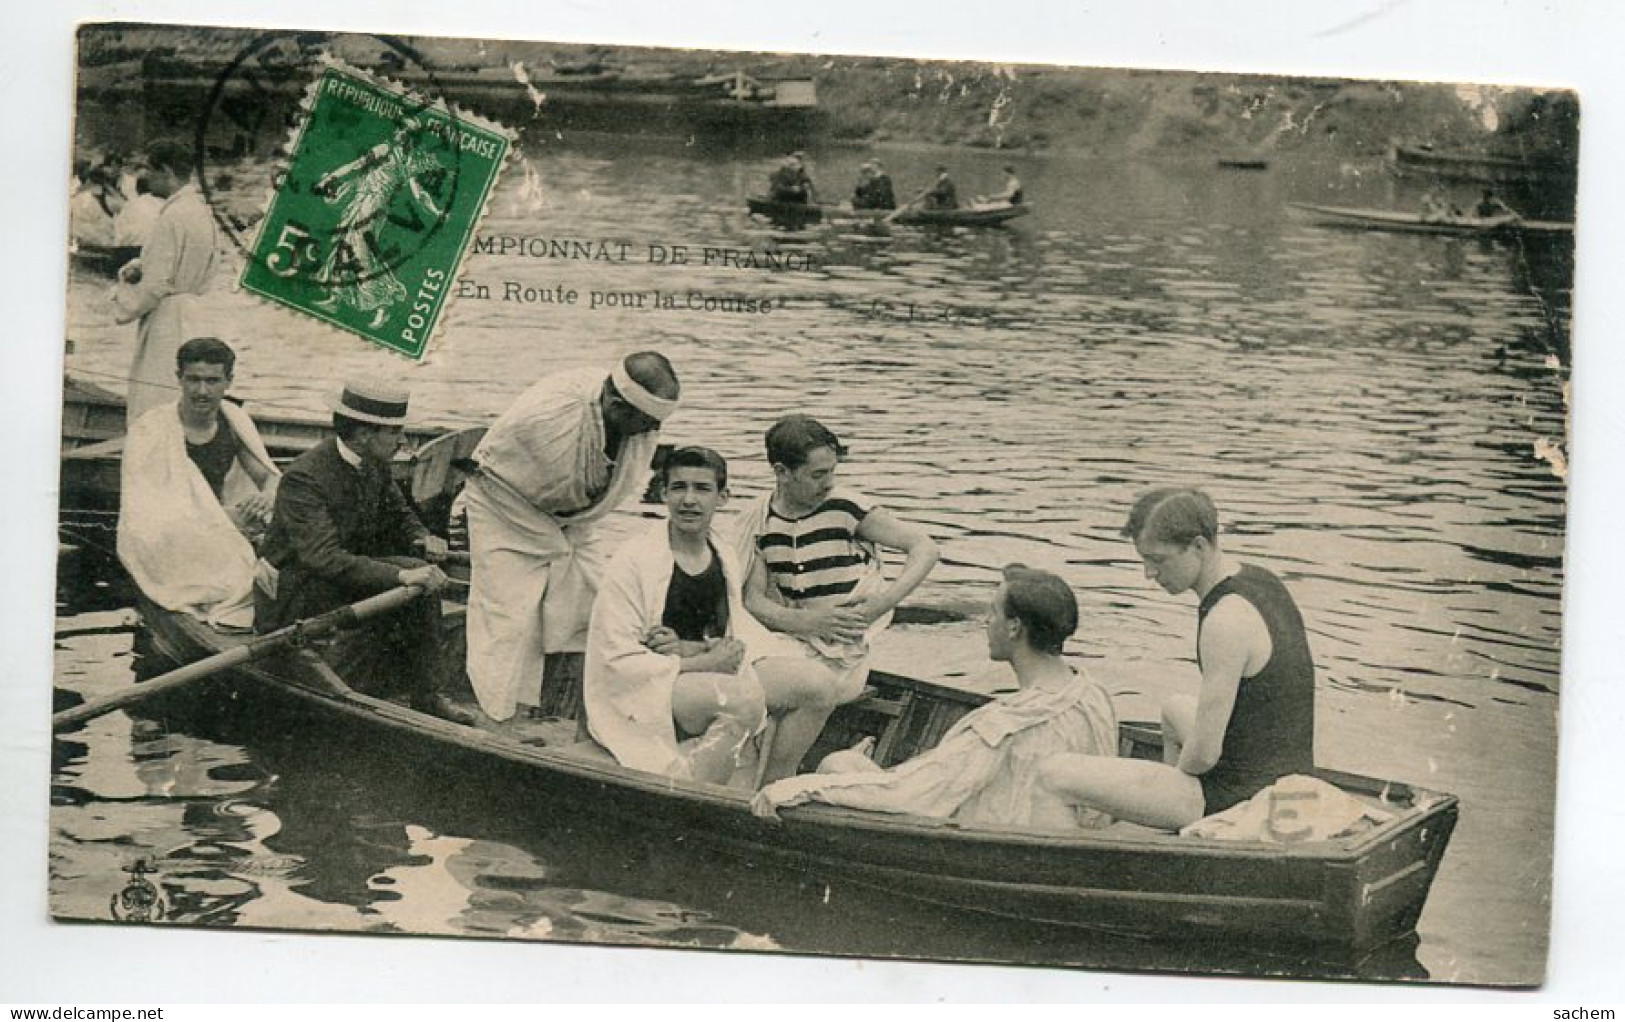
571	449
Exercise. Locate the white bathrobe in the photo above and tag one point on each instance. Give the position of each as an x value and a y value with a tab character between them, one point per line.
627	687
174	537
536	570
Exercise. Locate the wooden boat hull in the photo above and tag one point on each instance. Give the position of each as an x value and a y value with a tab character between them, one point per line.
1479	168
1388	220
1329	901
795	214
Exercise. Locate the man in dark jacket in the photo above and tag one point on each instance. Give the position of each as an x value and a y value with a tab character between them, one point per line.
342	531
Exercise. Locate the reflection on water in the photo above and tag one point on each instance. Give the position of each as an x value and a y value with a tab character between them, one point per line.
1366	408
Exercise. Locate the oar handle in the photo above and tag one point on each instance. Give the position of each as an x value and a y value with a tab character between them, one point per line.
300	631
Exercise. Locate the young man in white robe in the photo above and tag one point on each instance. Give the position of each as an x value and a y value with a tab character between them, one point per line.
183	536
986	769
668	684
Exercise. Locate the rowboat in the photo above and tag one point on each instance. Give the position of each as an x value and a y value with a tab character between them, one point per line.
795	214
1243	163
93	447
1337	900
1389	220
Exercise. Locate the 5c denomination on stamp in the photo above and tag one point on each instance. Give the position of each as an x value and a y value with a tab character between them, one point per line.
371	218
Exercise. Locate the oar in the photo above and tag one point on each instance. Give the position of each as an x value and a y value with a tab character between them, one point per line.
264	645
893	215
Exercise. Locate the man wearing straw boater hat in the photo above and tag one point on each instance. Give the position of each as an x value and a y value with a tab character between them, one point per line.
570	450
342	531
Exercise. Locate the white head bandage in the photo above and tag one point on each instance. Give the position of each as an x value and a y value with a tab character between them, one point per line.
658	408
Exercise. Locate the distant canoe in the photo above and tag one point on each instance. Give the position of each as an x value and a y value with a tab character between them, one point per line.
797	214
1389	220
1243	163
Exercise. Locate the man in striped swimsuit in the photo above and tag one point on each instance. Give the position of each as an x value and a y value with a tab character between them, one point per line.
814	574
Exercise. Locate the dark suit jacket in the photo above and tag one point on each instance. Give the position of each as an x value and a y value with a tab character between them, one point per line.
331	530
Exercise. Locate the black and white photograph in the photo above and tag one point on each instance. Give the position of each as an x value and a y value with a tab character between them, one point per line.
725	504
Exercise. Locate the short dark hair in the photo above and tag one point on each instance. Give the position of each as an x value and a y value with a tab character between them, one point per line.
696	457
347	428
793	438
172	155
208	350
1173	514
1043	603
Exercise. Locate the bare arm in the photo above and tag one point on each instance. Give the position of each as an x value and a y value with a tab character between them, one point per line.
885	529
1235	644
841	624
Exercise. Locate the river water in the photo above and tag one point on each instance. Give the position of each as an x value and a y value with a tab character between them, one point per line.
1376	415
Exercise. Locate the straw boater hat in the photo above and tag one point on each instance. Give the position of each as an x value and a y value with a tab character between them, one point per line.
377	403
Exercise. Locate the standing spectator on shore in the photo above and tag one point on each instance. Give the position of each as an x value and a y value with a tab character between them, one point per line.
158	289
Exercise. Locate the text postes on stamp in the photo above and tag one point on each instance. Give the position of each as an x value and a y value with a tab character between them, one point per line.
375	209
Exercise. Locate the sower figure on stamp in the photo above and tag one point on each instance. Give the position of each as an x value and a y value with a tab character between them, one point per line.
570	450
811	554
196	485
1253	721
342	531
176	264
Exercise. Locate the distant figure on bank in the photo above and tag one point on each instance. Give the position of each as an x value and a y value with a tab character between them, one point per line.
984	771
942	194
1253	721
94	208
668	684
196	485
566	453
1490	205
791	182
176	264
813	573
134	222
874	188
342	531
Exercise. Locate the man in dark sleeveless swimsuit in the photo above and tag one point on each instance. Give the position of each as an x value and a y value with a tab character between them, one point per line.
1253	721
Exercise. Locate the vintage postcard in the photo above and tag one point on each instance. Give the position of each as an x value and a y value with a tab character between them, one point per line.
1077	517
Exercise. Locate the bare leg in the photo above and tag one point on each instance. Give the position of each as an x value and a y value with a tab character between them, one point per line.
1136	790
801	694
725	710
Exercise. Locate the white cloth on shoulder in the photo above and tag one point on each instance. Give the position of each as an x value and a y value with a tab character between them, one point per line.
627	687
1295	808
174	537
533	533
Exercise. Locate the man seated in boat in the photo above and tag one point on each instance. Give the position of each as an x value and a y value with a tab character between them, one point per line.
1491	207
984	771
813	573
1009	195
342	531
1438	209
791	182
668	684
874	189
1253	720
942	194
196	486
566	453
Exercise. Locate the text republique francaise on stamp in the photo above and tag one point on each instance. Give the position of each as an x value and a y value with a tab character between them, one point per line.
375	209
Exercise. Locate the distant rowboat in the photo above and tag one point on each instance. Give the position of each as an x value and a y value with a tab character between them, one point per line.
1411	223
799	214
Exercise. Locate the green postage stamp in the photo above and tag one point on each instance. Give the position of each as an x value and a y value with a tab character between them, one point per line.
375	208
